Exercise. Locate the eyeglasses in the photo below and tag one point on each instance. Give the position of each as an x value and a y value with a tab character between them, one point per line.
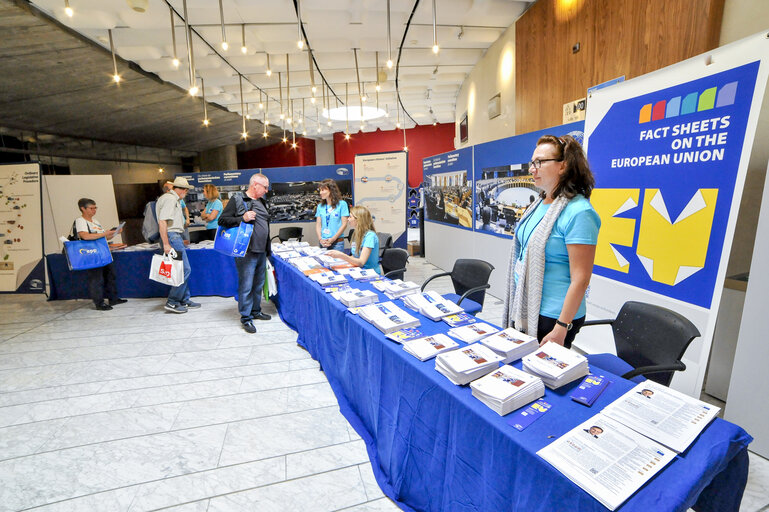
537	163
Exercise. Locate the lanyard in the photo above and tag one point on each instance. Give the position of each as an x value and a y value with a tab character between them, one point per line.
522	231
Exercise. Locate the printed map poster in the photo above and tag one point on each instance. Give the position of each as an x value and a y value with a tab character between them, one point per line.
21	230
669	151
448	188
381	186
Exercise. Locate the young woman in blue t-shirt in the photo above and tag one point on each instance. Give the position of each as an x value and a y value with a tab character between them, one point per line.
331	216
554	245
364	245
212	210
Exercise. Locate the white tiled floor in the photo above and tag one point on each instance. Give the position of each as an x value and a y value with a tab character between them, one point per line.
139	409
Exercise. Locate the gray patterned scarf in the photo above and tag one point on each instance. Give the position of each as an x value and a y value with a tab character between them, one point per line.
523	299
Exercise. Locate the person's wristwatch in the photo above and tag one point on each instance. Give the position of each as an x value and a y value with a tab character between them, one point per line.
564	324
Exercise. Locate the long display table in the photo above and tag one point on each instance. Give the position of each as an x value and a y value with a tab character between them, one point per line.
434	447
213	273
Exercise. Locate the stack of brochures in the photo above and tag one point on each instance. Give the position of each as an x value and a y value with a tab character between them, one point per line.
287	255
466	364
276	248
329	261
311	250
556	365
430	346
405	335
432	305
328	279
511	344
473	332
352	297
295	244
507	389
308	265
363	274
459	319
387	317
396	288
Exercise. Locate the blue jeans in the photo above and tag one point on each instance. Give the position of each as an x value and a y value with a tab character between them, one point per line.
250	283
338	246
180	294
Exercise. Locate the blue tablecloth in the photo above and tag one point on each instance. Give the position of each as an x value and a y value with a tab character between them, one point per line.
434	447
213	273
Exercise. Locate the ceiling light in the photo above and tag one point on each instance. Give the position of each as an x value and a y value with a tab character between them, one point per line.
138	5
304	132
193	90
293	145
160	169
269	71
115	76
405	148
242	109
314	89
244	135
312	100
225	45
261	106
389	63
329	122
206	122
389	41
175	63
300	39
67	9
190	55
398	124
347	136
436	48
378	88
205	105
243	47
265	133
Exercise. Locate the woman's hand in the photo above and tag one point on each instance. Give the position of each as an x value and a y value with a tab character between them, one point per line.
336	254
325	242
109	235
557	335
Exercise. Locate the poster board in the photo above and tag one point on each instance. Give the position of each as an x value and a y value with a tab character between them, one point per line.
381	185
669	151
21	230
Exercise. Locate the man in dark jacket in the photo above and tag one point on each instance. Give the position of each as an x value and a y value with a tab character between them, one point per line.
251	207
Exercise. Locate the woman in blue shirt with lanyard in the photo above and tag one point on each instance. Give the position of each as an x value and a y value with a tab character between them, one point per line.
332	214
212	211
364	247
554	245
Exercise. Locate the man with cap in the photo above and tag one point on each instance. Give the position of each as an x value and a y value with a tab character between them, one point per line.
171	227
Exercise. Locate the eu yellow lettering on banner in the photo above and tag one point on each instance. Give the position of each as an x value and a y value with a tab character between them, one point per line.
671	251
608	203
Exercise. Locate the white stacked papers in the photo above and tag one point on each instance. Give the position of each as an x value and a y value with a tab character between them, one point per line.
430	346
555	365
405	335
466	364
607	459
276	248
387	317
294	244
330	261
511	344
328	279
287	255
507	389
432	305
308	265
363	274
311	250
473	332
396	288
353	297
663	414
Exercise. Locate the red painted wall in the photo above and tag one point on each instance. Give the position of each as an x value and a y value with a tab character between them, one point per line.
422	141
279	155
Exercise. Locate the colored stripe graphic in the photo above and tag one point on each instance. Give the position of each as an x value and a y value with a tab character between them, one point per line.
707	99
646	114
689	105
727	95
674	107
658	112
710	98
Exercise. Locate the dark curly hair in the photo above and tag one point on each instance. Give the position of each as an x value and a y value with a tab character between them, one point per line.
577	178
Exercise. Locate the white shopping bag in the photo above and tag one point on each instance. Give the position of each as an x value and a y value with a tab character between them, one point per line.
272	284
165	269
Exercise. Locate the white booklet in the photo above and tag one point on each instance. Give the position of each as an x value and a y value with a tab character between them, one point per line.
430	346
473	332
363	274
432	305
511	344
607	459
464	365
507	389
663	414
556	365
387	317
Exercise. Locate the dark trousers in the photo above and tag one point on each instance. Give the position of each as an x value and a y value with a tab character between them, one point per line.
251	268
209	234
547	324
101	284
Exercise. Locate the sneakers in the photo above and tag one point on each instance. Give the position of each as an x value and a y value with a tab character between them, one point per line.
175	308
103	307
192	305
249	327
117	301
261	316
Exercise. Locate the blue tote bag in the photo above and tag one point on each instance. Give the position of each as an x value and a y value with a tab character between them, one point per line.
87	254
233	241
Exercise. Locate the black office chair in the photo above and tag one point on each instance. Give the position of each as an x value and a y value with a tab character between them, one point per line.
394	261
385	242
471	280
289	233
650	342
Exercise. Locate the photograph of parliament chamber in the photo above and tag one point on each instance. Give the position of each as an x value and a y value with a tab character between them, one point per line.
125	123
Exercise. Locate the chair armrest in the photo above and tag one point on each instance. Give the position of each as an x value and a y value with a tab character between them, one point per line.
273	238
659	368
395	271
473	290
598	322
433	277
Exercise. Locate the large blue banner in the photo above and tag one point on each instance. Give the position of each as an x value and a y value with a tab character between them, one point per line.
448	188
665	164
503	185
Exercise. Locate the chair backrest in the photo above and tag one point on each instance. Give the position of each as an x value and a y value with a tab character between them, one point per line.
469	273
647	335
289	233
394	258
385	242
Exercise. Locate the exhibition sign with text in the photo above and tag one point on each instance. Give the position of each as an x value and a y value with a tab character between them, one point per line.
669	151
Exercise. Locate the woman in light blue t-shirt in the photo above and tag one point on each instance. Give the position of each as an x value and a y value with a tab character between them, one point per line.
331	216
554	245
365	242
212	211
